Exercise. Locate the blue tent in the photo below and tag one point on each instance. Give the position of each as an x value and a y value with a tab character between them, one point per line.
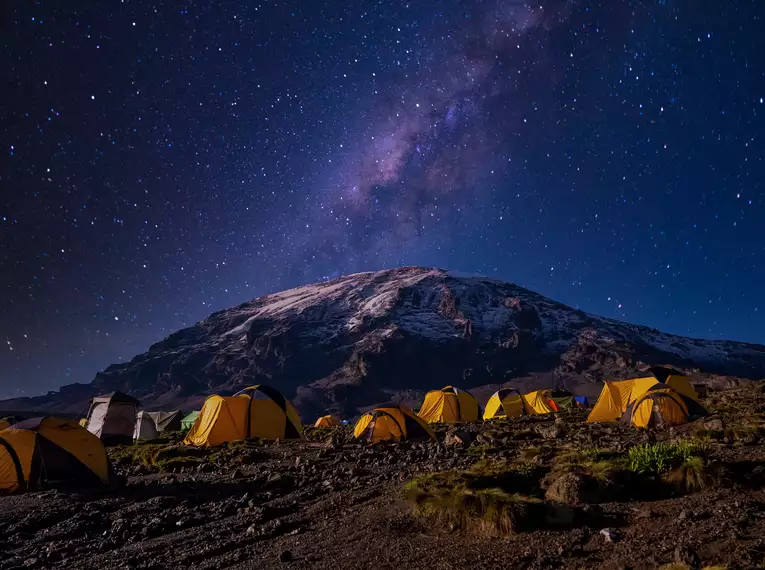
582	400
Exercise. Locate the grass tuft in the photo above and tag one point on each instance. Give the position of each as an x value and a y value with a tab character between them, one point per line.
481	450
482	500
662	457
161	457
694	475
530	453
684	465
600	465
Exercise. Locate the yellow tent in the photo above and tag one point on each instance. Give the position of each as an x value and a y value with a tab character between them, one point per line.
47	451
662	406
509	403
257	411
449	405
4	424
674	379
682	385
616	396
392	424
541	402
328	421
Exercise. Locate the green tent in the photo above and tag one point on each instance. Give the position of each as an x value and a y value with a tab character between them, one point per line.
189	420
563	398
564	402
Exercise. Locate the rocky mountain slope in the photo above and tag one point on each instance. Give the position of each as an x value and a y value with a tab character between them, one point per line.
370	338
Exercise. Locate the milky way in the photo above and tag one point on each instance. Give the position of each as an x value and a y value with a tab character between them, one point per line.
162	162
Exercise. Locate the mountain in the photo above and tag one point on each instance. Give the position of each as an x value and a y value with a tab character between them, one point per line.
369	338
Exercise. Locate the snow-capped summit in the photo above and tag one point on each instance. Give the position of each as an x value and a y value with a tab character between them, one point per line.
370	338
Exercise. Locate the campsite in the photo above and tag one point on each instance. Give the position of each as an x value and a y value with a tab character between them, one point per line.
550	481
382	285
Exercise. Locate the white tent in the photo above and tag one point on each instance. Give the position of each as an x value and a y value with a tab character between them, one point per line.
145	428
112	417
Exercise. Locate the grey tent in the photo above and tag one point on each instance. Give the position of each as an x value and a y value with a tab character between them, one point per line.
145	429
167	421
112	417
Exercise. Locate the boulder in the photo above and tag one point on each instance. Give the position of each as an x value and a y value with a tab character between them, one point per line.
569	489
459	437
714	424
686	556
553	431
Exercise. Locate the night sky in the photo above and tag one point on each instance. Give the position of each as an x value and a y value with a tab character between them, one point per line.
162	160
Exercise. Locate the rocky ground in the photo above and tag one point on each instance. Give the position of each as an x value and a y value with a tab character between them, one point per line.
538	492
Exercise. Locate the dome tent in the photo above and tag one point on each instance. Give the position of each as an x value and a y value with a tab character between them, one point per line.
189	420
392	424
506	402
112	418
449	405
563	399
509	403
257	411
662	373
674	379
581	401
662	406
50	451
10	420
145	429
616	396
328	421
167	421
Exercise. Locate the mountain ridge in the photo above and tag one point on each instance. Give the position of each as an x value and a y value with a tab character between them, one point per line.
369	338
